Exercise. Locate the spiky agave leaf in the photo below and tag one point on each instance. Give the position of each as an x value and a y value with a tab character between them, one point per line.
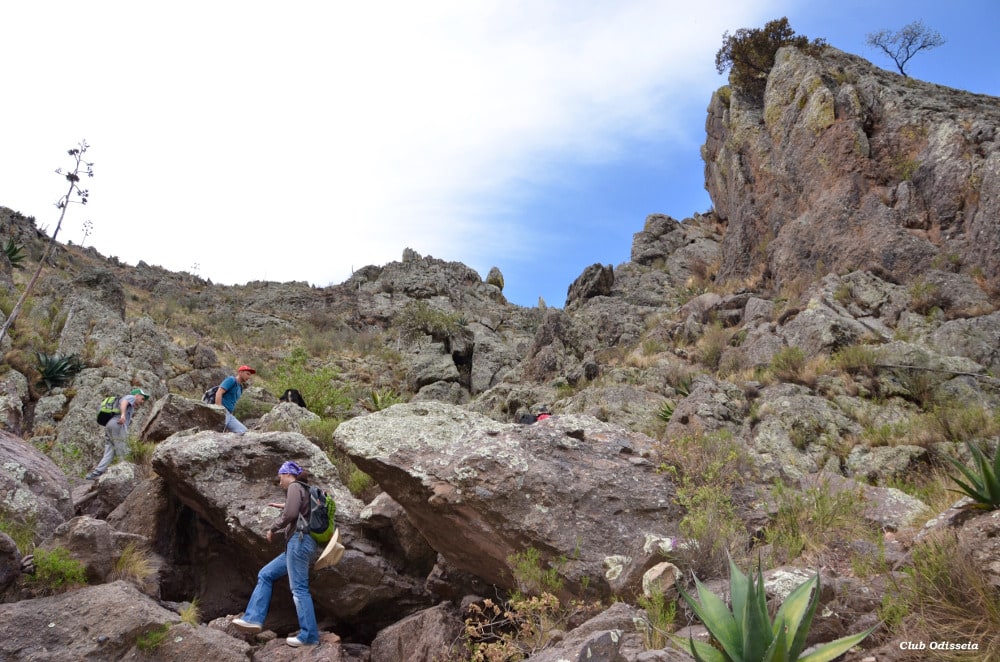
719	621
989	473
747	634
795	615
57	370
757	632
983	487
15	254
836	648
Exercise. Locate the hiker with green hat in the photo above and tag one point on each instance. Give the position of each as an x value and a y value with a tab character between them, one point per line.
116	430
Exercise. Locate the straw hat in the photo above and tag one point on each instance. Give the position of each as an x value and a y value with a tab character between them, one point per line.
333	552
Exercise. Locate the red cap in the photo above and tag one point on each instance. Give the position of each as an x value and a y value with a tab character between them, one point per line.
246	368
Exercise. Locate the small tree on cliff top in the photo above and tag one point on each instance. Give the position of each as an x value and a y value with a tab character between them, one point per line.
72	176
902	45
750	53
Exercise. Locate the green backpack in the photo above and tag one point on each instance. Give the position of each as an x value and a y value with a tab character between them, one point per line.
109	409
322	508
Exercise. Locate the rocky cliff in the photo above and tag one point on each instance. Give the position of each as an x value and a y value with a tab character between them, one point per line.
848	167
777	381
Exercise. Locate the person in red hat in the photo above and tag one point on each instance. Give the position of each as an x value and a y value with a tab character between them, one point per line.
229	393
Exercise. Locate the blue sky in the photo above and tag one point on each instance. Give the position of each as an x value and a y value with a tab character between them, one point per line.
246	141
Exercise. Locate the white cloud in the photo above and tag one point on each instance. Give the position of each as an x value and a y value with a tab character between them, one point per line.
295	143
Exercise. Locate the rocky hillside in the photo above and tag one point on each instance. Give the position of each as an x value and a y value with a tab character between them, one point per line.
779	381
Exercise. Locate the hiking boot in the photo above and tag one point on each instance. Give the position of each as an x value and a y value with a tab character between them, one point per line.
93	475
247	626
295	642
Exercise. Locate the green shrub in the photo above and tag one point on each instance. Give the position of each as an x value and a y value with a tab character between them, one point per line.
531	577
811	520
856	359
788	363
712	344
747	633
660	616
320	432
140	452
316	384
960	421
418	318
57	570
708	470
358	481
982	482
22	533
750	54
926	296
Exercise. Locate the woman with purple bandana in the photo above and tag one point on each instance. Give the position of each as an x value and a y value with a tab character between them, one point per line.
294	562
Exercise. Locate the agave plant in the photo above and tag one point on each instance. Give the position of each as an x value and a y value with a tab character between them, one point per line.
747	634
379	399
14	253
984	478
57	370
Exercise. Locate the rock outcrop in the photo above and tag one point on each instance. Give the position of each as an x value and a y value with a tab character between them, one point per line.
481	492
848	167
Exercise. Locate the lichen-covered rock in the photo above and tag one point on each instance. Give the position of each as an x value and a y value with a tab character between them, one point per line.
34	493
904	193
428	635
94	622
482	492
174	413
228	480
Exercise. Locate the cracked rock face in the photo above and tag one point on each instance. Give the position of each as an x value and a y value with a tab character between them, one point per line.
480	492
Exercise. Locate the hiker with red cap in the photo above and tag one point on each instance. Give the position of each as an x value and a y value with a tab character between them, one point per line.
229	392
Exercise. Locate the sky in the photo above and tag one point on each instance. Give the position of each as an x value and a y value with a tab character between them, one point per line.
301	141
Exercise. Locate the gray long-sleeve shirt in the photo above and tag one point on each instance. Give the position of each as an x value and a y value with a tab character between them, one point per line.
296	503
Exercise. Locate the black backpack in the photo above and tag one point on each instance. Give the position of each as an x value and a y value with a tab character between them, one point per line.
209	395
322	509
109	409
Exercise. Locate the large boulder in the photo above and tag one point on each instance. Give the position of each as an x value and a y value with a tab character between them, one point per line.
286	417
13	395
429	635
92	623
98	547
228	480
10	561
575	489
174	413
33	491
610	636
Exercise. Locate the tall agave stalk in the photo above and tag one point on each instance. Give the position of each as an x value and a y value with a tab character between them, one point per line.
747	634
73	177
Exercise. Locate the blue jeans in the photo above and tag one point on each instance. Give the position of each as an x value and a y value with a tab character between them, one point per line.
294	562
233	425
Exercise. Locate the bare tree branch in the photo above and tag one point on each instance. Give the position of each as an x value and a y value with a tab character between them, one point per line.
902	45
